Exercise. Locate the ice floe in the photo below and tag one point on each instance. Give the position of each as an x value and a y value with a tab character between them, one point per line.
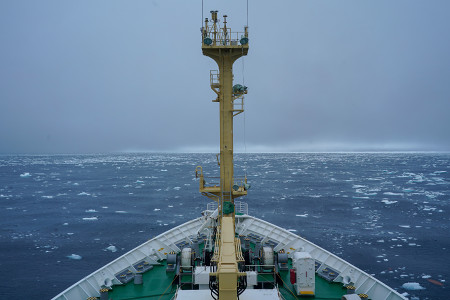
358	186
120	212
303	216
405	226
90	211
24	175
111	248
90	219
74	256
387	202
84	194
412	286
393	194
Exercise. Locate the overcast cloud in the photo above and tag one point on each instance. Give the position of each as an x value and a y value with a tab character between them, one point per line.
100	76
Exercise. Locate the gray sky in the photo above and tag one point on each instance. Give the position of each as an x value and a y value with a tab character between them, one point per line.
99	76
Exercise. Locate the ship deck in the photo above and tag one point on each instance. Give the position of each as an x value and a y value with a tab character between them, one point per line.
161	285
150	260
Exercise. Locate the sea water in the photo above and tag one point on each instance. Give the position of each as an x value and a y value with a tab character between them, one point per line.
65	216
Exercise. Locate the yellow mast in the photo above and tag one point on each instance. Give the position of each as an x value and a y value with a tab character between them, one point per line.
225	47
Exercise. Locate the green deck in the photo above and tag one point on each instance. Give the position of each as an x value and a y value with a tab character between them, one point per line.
157	285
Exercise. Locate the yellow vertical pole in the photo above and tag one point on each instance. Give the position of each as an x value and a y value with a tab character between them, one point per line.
226	126
225	54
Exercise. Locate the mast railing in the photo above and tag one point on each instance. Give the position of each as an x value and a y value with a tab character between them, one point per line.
230	38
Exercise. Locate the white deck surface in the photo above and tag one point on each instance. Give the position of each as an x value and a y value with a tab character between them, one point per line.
249	294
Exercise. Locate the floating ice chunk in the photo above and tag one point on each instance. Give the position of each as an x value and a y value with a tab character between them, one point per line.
303	216
24	175
157	209
169	205
90	219
65	224
139	181
163	170
90	211
120	212
111	248
426	276
412	286
177	188
405	226
70	233
292	230
357	186
393	194
356	207
74	256
380	241
387	202
83	194
76	183
405	294
47	197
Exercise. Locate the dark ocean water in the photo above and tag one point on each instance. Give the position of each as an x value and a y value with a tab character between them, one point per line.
386	213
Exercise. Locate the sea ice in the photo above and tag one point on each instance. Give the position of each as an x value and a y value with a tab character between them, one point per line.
157	209
74	256
47	197
90	219
393	194
405	226
303	216
426	276
357	186
83	194
90	211
387	202
412	286
111	248
24	175
120	212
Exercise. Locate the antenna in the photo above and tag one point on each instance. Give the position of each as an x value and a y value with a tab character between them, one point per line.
247	13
